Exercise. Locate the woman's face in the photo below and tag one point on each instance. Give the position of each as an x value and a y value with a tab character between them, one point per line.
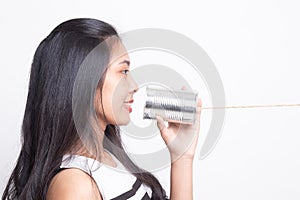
118	90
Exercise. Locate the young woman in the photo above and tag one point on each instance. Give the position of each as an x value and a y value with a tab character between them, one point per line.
71	123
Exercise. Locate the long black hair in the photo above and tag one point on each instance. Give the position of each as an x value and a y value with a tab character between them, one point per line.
48	129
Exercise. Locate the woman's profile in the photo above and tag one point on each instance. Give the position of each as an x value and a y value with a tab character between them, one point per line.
71	123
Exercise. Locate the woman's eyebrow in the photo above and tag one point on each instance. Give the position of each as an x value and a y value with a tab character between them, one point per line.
125	62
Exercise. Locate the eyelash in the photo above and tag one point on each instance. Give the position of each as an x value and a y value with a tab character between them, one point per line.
127	71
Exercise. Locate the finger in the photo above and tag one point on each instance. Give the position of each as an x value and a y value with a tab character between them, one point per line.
199	103
198	113
183	87
160	124
174	124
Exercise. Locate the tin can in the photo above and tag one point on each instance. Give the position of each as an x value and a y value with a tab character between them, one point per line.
177	106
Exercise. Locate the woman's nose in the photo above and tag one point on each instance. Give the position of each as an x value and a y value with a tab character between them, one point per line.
133	85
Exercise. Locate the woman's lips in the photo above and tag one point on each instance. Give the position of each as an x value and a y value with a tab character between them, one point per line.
130	109
128	105
130	101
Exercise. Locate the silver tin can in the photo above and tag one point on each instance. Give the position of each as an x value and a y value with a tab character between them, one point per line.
177	106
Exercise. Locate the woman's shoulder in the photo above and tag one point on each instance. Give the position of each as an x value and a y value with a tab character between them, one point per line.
73	184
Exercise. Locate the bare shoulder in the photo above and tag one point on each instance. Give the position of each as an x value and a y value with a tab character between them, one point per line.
73	184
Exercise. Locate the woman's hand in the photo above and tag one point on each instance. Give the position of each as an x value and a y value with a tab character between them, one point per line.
181	139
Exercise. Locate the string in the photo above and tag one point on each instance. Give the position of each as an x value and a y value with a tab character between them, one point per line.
253	106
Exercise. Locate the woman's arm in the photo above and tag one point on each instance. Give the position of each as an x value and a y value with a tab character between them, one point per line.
182	180
181	140
73	184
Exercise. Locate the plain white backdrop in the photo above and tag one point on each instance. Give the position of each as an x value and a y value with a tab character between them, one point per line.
255	46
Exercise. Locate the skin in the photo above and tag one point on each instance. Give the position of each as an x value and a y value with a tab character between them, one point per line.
118	88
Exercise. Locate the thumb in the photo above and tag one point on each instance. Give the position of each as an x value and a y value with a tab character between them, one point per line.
160	124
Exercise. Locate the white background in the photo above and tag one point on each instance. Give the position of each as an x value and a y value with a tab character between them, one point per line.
255	46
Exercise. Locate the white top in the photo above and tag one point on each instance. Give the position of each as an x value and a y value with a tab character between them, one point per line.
113	183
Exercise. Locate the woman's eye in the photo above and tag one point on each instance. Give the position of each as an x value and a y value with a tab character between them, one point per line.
125	71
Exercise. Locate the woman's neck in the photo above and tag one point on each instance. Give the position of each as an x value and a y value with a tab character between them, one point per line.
104	156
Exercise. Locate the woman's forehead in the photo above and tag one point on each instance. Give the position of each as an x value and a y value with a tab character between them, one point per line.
118	49
118	53
119	59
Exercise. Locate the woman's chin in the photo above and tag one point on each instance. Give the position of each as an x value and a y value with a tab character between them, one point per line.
123	123
123	120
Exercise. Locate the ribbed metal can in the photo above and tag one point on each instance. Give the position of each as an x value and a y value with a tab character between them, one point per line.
178	106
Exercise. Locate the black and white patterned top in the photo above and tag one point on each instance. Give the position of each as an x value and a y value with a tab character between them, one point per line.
113	183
